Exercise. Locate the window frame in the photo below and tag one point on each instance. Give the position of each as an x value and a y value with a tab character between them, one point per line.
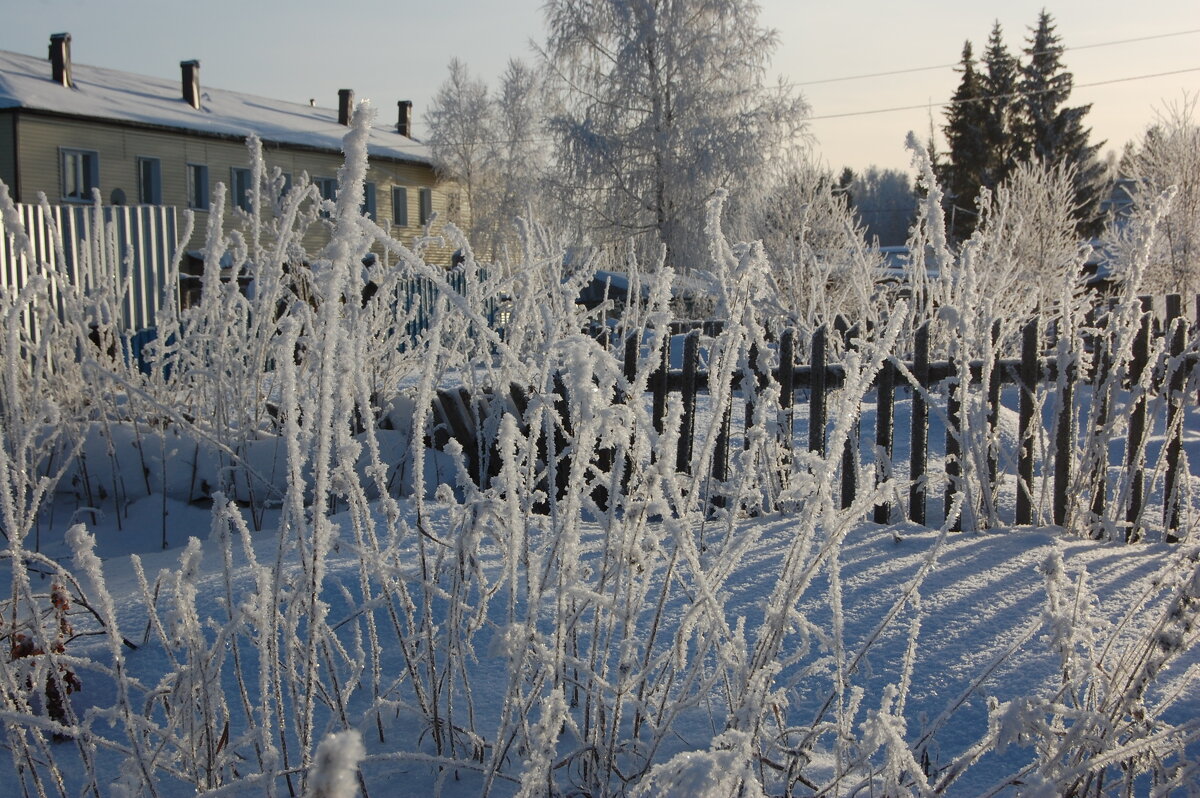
242	197
152	196
400	206
87	173
197	181
369	206
425	203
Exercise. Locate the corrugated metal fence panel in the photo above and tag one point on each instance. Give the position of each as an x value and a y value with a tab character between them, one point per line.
107	247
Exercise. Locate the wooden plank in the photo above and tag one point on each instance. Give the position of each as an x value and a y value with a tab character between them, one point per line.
920	428
850	446
954	393
1028	381
1134	455
816	397
1176	325
993	398
885	395
1064	440
691	364
659	382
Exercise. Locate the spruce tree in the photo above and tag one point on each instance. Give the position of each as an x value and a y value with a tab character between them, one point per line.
1001	108
962	173
1050	131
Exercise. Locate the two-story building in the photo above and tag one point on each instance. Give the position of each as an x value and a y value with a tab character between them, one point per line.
66	129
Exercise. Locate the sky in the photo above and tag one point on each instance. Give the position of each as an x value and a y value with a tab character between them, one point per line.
388	51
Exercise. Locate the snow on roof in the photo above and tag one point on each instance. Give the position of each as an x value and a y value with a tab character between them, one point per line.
111	95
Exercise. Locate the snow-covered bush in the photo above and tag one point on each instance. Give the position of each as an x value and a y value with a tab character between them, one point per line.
580	613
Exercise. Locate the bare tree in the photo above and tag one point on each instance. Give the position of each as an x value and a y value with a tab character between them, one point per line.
460	133
1168	157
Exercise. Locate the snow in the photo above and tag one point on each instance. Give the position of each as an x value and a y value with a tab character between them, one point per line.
986	591
109	94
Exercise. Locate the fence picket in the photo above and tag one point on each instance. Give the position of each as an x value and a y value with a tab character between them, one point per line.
885	396
816	394
1137	424
919	453
1176	325
1028	385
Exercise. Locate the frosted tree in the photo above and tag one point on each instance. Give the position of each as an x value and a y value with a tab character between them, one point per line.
460	122
491	145
822	265
1169	156
1049	131
520	154
662	103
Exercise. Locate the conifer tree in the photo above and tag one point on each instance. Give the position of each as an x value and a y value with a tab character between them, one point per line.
1051	132
962	172
1001	109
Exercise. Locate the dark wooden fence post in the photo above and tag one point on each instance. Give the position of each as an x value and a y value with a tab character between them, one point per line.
920	428
1064	439
993	395
787	382
660	380
753	391
1176	325
561	458
850	447
631	356
1028	385
885	395
720	462
954	392
1101	366
816	397
691	362
1134	463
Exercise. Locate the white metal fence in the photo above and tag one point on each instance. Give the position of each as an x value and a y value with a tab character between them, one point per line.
125	248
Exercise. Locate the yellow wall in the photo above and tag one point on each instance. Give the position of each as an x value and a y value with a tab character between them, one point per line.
119	148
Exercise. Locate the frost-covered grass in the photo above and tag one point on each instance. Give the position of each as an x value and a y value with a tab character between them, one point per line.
354	611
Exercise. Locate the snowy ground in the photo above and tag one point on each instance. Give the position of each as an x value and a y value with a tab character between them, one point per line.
983	594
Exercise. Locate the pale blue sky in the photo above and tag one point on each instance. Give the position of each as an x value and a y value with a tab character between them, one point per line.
388	51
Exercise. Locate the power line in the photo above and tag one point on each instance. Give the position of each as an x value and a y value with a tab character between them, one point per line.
949	103
910	70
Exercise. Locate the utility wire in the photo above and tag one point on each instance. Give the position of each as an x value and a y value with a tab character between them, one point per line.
935	67
949	103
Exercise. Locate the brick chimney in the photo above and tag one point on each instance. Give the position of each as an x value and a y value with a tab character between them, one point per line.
191	82
404	123
345	106
60	58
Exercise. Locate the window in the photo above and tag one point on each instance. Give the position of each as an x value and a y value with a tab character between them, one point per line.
425	196
400	206
326	186
368	206
149	174
240	181
197	174
80	174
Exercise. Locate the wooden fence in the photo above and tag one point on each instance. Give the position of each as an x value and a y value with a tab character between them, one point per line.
454	416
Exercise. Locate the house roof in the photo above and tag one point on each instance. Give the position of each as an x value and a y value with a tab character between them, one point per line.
121	97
